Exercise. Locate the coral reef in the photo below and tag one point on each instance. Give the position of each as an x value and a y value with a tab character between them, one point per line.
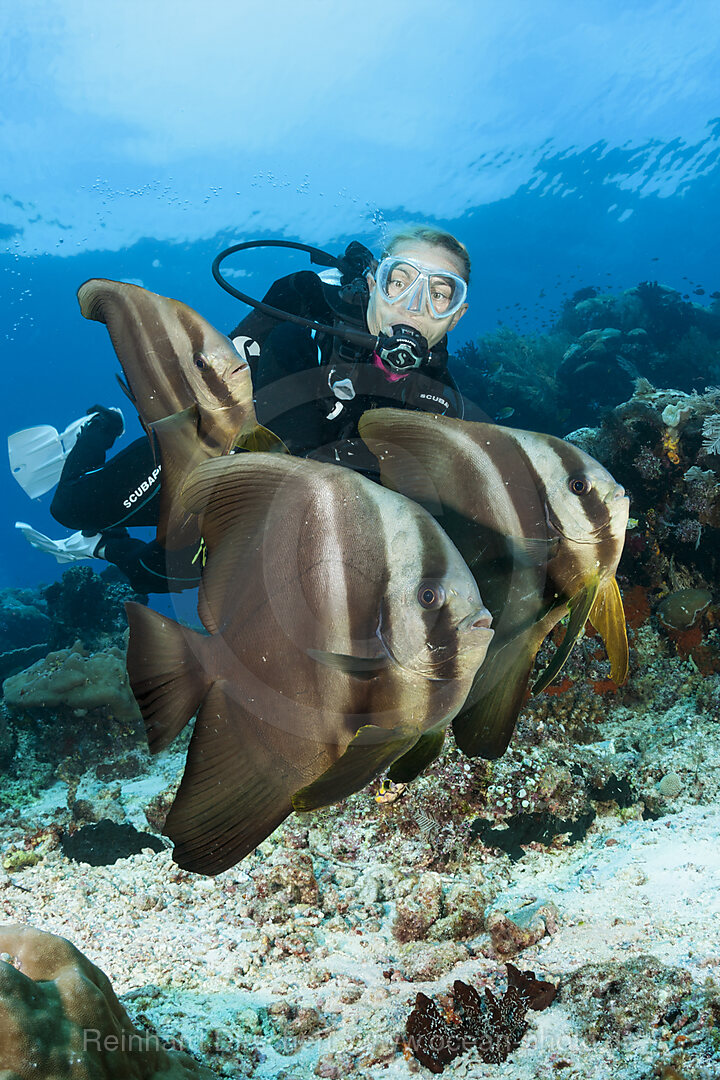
590	359
511	378
654	445
511	933
73	681
23	619
62	715
61	1020
492	1027
610	1001
85	606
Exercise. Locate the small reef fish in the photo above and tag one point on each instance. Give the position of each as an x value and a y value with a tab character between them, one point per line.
191	388
542	526
344	631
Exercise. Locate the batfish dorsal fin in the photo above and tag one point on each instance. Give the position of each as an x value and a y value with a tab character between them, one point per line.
240	489
608	617
412	452
369	753
418	757
580	605
234	791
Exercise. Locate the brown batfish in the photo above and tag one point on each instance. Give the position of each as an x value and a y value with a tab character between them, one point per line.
191	388
344	631
541	525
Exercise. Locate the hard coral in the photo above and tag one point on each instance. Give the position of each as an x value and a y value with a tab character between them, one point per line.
69	679
60	1019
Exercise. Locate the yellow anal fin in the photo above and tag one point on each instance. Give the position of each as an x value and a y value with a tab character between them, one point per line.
608	618
260	438
580	606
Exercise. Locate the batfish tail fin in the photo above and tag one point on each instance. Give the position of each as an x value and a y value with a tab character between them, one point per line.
234	792
166	671
608	617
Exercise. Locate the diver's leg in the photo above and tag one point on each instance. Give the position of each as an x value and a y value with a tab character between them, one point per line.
94	495
94	439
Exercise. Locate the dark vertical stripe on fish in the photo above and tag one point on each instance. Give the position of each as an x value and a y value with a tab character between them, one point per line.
361	701
214	383
159	342
522	484
593	505
566	565
436	621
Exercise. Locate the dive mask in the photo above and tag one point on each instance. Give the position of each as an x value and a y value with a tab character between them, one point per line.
414	287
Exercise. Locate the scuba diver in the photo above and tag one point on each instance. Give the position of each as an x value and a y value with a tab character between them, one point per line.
312	385
322	348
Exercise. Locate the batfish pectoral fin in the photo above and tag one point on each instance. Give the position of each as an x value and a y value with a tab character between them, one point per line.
234	791
259	439
370	752
360	667
608	617
580	605
411	764
484	726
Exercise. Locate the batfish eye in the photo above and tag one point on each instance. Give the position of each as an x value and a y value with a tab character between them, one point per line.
431	595
200	361
579	485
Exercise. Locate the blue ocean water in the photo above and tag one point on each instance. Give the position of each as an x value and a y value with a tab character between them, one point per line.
567	147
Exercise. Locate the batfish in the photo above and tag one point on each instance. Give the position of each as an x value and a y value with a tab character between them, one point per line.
542	526
343	632
191	388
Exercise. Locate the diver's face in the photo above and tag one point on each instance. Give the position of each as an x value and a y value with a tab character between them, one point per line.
381	315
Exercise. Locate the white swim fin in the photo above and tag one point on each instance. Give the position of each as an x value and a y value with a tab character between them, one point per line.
73	547
37	454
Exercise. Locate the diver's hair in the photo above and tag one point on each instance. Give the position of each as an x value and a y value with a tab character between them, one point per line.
428	235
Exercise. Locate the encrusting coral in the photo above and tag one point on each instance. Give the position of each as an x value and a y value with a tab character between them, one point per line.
60	1019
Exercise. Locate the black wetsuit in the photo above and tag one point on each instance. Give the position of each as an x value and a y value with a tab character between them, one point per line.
310	389
96	496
